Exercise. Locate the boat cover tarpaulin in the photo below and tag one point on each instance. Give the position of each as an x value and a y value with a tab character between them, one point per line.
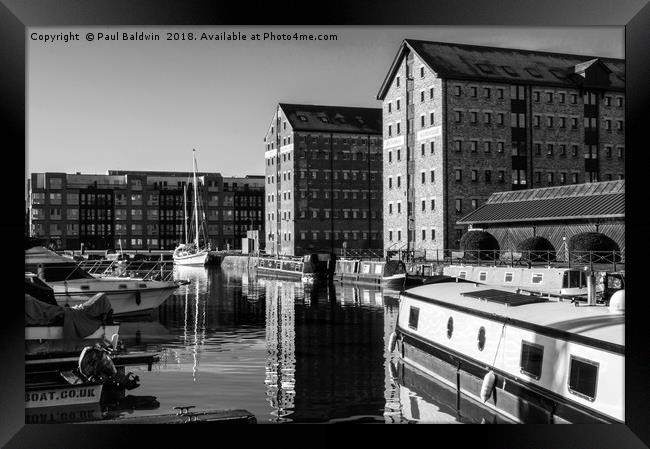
78	322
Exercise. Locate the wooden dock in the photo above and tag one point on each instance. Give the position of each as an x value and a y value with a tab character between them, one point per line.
199	417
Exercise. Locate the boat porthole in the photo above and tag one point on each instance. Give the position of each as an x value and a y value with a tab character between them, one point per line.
450	327
481	338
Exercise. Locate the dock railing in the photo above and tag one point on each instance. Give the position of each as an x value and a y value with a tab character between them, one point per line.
363	254
594	260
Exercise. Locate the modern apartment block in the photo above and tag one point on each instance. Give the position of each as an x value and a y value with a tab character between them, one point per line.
142	209
323	179
462	121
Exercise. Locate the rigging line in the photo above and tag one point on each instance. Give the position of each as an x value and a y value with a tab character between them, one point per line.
503	328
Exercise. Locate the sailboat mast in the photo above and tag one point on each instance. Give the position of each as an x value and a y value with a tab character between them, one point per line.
185	210
196	203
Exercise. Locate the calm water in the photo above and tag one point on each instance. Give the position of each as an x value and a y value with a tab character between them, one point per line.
285	351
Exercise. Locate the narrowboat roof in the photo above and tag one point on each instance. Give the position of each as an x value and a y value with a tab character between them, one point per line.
592	322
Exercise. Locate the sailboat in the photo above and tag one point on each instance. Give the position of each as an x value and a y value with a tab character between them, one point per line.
190	253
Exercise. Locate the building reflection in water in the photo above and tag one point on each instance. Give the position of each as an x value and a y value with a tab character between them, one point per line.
280	342
393	408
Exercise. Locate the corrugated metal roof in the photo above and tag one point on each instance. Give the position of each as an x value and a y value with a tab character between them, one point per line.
507	65
342	119
587	189
588	201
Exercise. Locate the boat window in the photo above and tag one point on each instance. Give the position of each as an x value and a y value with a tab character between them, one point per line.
121	286
574	279
142	285
537	278
508	277
482	276
481	338
614	282
450	327
462	274
61	272
365	268
414	315
379	268
531	359
583	376
85	287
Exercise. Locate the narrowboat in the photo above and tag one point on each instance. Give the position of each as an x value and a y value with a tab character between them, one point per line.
532	359
306	268
553	281
375	272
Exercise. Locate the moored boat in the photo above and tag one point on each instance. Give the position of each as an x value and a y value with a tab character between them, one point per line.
51	394
376	272
73	285
308	267
191	253
554	281
524	356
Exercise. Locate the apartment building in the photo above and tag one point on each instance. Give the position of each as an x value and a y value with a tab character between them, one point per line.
323	182
141	209
463	121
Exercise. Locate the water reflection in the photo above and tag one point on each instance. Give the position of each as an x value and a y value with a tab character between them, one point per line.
286	351
280	343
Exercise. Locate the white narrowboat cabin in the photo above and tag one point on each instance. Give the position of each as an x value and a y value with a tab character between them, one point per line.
529	358
374	272
559	282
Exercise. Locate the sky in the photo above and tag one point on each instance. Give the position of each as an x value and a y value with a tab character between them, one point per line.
144	105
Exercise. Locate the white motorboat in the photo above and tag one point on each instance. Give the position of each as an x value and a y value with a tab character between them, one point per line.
529	357
191	253
73	285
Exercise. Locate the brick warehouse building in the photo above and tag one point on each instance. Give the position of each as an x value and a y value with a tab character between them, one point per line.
555	213
462	121
323	179
142	208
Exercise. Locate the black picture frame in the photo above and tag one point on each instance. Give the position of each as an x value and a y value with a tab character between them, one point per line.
16	15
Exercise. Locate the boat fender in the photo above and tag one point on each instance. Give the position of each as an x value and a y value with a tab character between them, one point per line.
138	300
393	370
114	339
392	341
488	385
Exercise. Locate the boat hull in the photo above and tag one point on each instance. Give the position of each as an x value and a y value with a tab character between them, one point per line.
62	395
445	351
126	296
393	281
191	259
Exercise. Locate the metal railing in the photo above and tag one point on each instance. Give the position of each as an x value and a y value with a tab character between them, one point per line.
562	258
357	253
140	269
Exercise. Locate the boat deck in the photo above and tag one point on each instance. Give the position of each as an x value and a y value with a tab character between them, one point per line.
595	322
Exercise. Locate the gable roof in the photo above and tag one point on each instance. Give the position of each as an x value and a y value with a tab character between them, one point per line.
506	65
573	202
341	119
